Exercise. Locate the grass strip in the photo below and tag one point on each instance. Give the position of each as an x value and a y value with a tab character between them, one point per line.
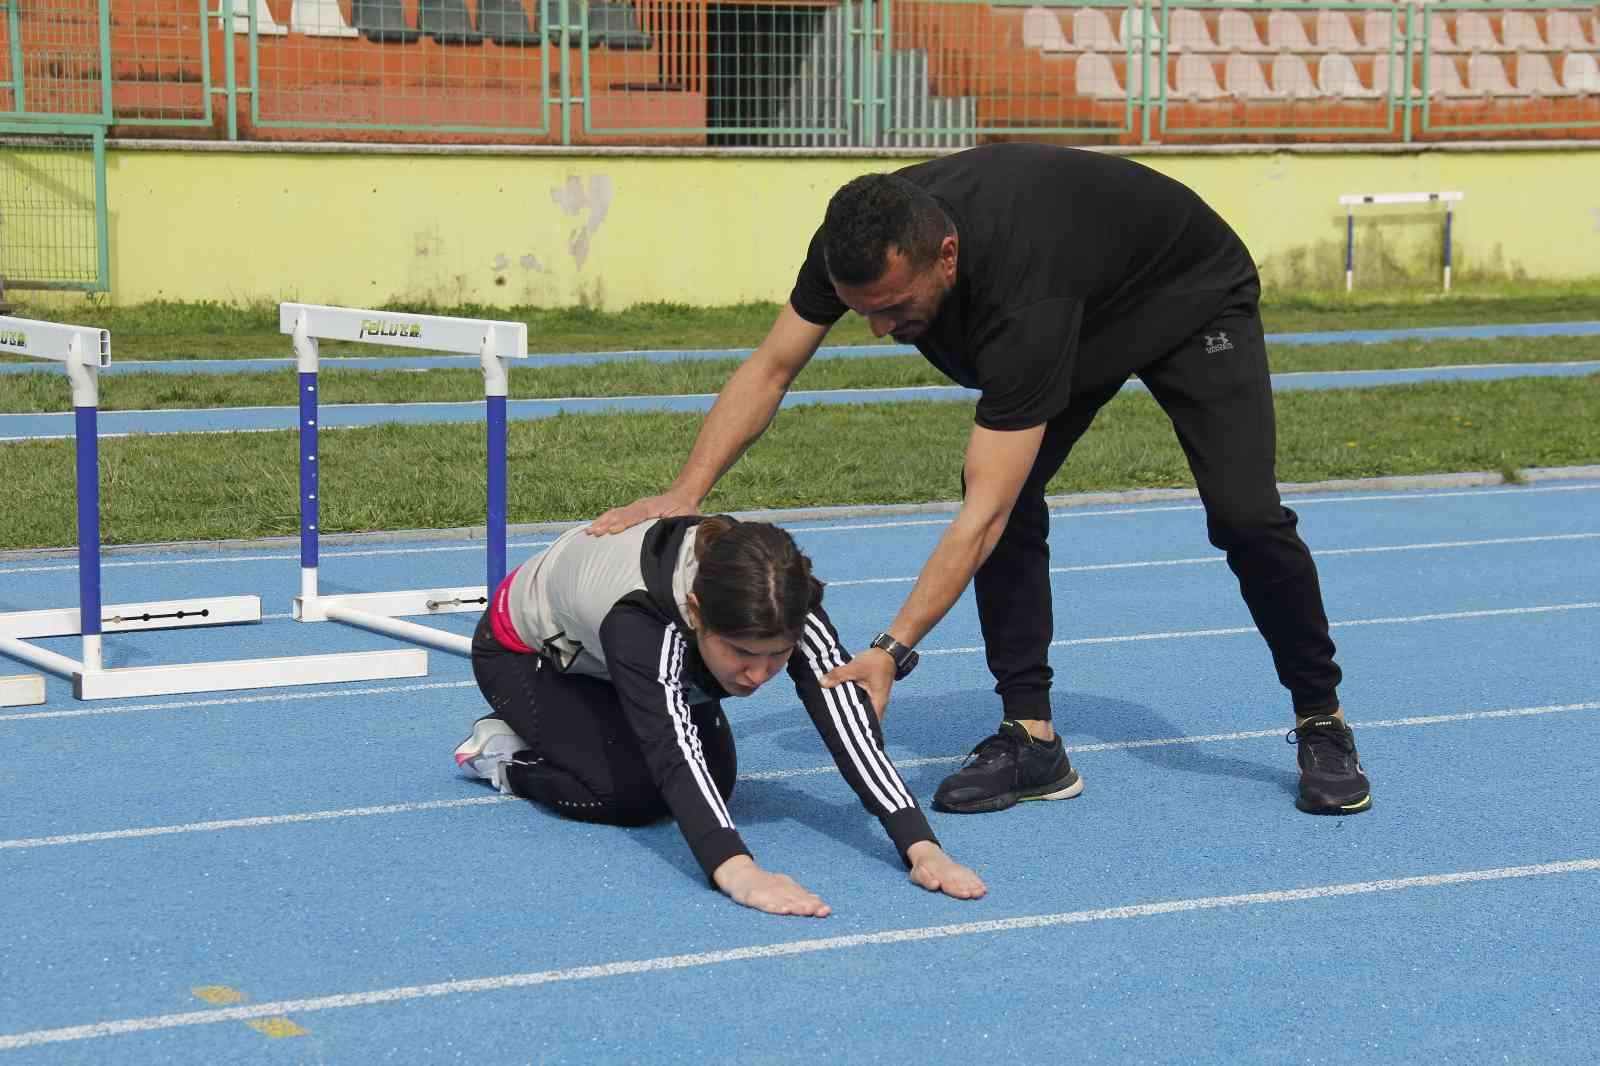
205	486
205	330
151	391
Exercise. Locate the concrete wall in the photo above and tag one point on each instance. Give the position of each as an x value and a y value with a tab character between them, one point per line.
367	228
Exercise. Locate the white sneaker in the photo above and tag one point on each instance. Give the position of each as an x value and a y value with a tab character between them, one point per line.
488	749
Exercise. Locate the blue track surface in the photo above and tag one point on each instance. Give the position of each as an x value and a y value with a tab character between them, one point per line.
335	416
1181	910
435	362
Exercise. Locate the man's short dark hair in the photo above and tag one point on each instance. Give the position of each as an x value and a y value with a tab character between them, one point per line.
873	213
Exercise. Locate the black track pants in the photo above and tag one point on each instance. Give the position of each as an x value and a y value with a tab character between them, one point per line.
583	761
1216	389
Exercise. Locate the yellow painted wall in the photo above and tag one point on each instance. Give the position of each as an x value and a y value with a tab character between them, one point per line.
610	231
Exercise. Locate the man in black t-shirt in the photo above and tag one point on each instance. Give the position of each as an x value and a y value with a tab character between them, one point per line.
1044	277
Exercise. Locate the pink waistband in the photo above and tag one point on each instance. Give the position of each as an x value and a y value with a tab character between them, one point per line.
500	618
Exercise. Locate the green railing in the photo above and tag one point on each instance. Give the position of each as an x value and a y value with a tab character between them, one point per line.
1480	103
848	73
53	218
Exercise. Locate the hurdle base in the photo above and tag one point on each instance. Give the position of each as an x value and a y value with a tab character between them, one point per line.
134	617
471	598
338	609
24	690
249	673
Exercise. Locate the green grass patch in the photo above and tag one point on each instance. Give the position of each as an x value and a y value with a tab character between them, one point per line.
151	391
221	331
572	467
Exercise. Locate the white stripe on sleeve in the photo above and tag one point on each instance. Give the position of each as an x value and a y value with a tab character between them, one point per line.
688	737
849	718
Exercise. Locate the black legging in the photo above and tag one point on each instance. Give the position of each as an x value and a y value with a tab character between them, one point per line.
582	759
1216	389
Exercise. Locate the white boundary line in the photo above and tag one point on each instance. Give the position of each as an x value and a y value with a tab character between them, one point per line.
785	949
1180	634
1210	738
847	526
235	701
1438	545
265	821
1128	638
295	556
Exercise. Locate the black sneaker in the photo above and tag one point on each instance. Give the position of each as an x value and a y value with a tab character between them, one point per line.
1331	779
1008	768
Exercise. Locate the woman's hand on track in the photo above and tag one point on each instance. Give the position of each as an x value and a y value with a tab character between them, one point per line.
746	883
937	872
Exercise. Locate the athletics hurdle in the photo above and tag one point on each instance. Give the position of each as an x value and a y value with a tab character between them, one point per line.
493	343
84	350
1350	203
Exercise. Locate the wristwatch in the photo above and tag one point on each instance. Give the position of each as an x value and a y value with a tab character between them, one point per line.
905	660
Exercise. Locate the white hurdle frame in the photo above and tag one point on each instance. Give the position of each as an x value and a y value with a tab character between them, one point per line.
1353	201
493	342
84	350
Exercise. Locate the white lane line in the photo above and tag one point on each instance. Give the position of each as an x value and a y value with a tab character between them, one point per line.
1320	553
264	821
1144	508
843	527
1209	738
235	701
786	949
211	560
1180	634
1177	634
251	823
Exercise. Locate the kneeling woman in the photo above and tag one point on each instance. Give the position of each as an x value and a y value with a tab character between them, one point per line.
605	658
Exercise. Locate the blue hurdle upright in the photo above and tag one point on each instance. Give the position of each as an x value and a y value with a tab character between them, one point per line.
84	350
493	343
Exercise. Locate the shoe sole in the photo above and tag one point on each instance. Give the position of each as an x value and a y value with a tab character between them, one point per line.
1066	788
1325	807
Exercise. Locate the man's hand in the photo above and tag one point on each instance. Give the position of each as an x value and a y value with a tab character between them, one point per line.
748	884
937	872
873	670
626	517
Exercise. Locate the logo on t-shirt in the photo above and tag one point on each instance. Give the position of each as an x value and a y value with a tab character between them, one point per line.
1218	343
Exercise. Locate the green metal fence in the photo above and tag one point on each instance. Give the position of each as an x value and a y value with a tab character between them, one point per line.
53	207
860	73
1510	68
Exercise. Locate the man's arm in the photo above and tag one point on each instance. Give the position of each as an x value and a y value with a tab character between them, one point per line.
741	414
998	463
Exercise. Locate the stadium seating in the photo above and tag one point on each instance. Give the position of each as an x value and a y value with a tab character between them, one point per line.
1535	75
1336	75
1474	33
1581	72
1292	78
1196	79
383	21
1335	33
1242	77
1487	75
1565	32
1041	28
448	22
1285	32
505	22
1444	79
319	18
1190	33
1236	32
1091	31
1519	31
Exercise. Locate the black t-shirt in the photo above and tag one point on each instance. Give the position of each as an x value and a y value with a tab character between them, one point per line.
1073	270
